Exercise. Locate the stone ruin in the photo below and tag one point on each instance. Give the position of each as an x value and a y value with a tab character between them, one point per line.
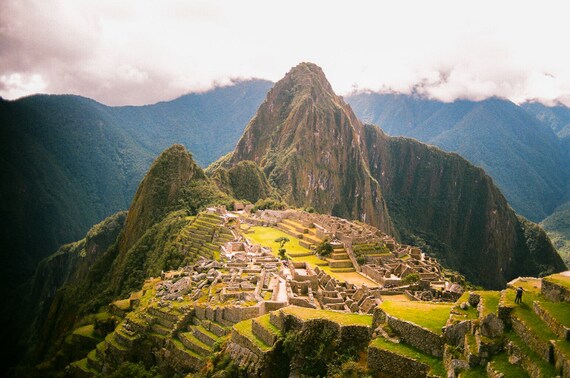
382	259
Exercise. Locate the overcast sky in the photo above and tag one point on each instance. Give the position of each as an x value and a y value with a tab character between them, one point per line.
139	52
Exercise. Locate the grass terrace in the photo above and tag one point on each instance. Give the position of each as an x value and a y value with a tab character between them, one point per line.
432	316
436	364
502	364
525	312
266	236
264	321
560	310
244	329
546	369
490	301
559	279
460	314
529	285
341	318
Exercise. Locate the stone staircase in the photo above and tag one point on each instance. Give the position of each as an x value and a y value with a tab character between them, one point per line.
306	235
339	261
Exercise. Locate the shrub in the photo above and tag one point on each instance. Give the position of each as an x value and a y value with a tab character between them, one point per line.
324	249
411	278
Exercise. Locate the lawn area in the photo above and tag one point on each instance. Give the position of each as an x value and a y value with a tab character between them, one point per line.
435	363
460	314
342	318
266	236
560	310
502	364
528	284
560	279
490	301
525	312
432	316
396	297
86	331
244	329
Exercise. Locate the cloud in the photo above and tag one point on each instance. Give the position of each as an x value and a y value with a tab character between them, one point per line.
137	52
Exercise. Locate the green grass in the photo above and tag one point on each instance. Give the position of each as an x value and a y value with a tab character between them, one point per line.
559	279
123	304
476	372
546	369
490	302
266	236
432	316
460	314
244	329
529	285
181	346
559	310
435	363
502	364
264	321
86	331
525	312
341	318
82	364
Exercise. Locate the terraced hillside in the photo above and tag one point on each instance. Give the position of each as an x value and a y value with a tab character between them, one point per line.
485	333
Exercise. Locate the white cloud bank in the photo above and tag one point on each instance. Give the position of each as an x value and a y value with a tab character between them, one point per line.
137	52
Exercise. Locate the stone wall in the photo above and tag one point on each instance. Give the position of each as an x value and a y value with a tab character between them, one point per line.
454	334
178	359
237	314
562	331
554	292
262	333
543	348
395	365
417	336
562	362
245	358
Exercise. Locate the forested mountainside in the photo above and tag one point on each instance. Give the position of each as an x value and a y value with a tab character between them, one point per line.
527	160
68	162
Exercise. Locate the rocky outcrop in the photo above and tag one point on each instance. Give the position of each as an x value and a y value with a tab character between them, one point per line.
441	201
308	142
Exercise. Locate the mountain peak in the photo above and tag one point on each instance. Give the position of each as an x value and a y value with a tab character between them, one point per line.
308	142
171	170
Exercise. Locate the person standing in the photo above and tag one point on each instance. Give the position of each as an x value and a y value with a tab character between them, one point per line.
518	296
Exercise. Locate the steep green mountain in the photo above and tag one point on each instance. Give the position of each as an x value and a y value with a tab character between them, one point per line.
526	159
557	226
307	141
208	124
156	236
556	117
67	162
315	152
453	208
65	165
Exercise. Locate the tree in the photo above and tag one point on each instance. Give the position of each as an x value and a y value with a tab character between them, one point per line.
324	249
282	241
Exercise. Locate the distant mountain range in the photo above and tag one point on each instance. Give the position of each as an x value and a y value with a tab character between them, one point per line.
68	162
527	160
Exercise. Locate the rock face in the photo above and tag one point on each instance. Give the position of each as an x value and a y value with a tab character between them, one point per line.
442	200
309	144
315	152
